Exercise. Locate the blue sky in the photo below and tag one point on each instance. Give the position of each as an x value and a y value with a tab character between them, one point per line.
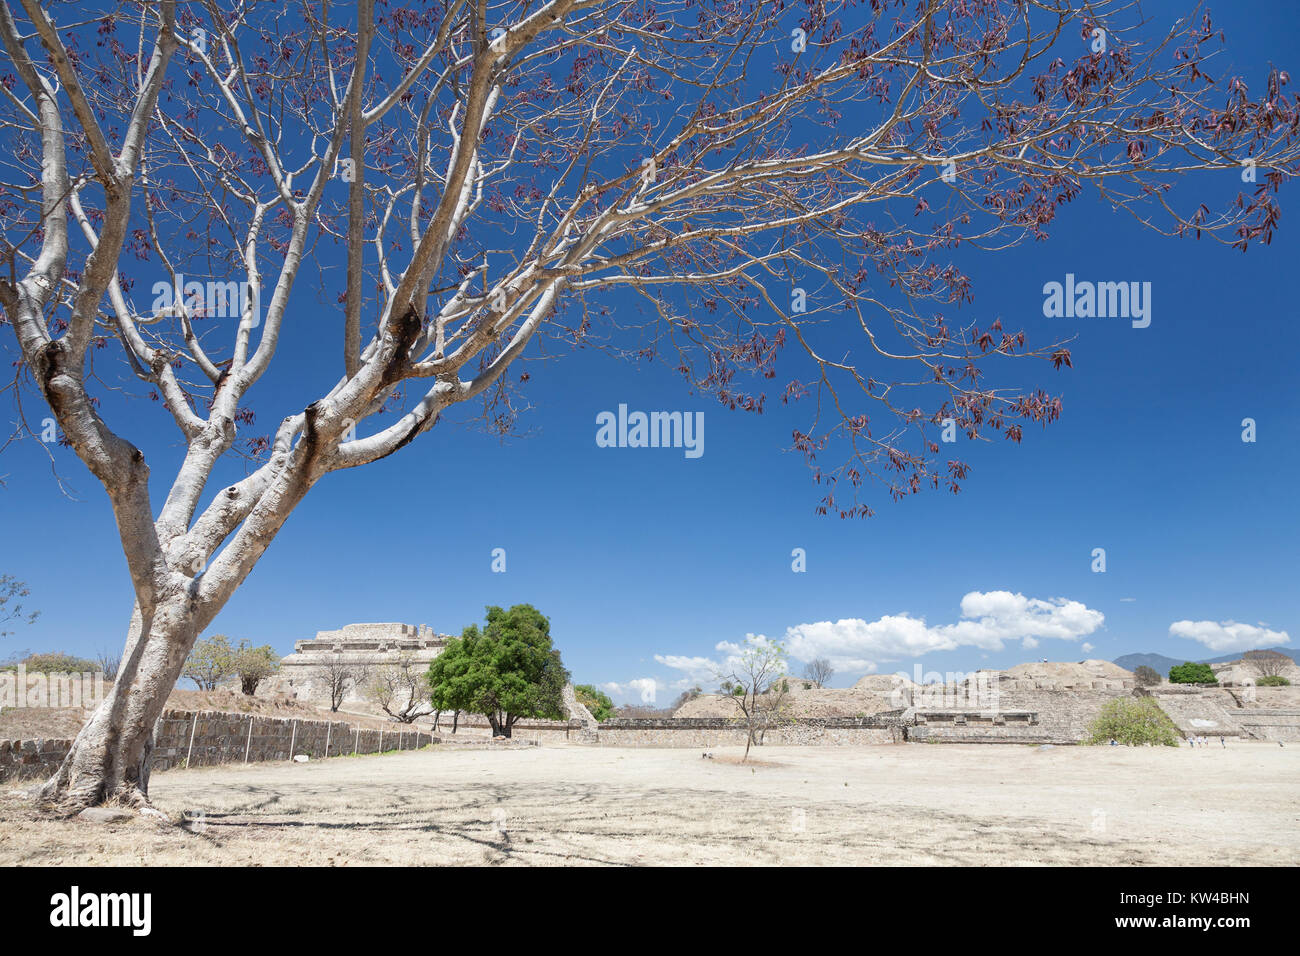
639	555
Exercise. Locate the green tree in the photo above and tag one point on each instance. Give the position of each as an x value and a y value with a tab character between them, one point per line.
1135	721
507	670
1146	676
1189	673
596	701
253	665
1273	680
209	661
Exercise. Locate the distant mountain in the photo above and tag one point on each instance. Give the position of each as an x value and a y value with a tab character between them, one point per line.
1161	664
1157	662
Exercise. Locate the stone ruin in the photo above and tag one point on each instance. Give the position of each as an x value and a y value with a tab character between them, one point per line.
363	645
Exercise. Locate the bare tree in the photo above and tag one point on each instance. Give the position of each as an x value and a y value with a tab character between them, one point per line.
339	676
1268	663
496	175
819	671
683	698
401	690
109	661
753	675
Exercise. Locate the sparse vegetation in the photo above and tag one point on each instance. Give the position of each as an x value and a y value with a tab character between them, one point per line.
1273	680
12	591
1133	721
754	669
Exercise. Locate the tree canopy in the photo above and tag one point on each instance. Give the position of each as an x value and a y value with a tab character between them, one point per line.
252	665
595	700
1190	673
506	670
1135	722
209	661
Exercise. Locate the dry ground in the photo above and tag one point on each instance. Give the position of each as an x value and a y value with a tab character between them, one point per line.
914	804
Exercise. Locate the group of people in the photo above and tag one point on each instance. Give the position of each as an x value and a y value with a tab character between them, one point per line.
1205	742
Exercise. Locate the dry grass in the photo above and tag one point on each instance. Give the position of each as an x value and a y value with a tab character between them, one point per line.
977	805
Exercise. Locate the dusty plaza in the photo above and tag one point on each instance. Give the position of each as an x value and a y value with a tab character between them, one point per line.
914	804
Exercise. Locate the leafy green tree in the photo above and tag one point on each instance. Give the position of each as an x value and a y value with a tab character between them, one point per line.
1146	676
252	665
1189	673
507	670
210	660
1135	721
596	701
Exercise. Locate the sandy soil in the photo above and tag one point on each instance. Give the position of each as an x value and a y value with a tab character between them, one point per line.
918	804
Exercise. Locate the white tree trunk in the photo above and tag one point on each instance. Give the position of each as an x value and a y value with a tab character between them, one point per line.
109	760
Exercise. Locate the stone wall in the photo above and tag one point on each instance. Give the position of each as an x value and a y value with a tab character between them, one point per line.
204	738
20	759
1266	724
706	732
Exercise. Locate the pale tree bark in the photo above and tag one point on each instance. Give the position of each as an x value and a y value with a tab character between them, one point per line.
514	165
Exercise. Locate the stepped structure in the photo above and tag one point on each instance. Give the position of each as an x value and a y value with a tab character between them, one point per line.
1041	702
361	646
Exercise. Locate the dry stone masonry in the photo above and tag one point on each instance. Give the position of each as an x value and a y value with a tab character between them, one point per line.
363	645
203	738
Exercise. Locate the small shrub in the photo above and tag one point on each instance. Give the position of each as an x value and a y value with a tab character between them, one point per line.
1136	722
1273	680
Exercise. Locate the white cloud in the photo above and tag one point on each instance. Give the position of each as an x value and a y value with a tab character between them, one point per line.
641	689
989	619
706	671
698	670
1030	643
1086	647
1228	635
